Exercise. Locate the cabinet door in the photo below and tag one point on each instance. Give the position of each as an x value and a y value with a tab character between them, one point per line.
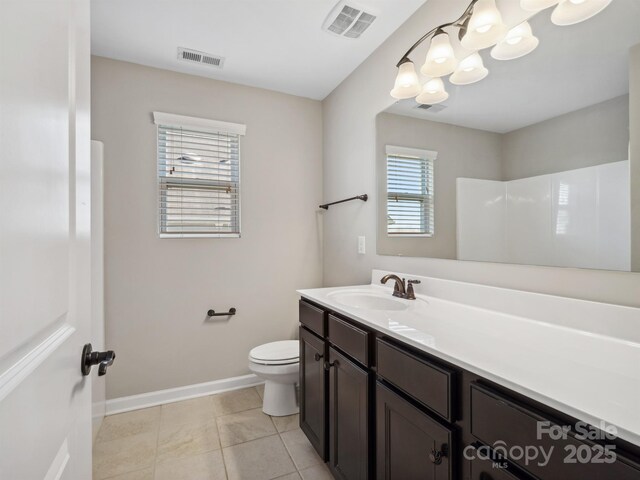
348	418
410	444
313	391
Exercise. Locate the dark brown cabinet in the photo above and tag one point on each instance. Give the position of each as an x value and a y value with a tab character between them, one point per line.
349	386
350	339
313	318
427	383
376	408
498	419
410	445
336	391
313	391
494	469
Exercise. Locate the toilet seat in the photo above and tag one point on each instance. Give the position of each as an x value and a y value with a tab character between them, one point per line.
285	352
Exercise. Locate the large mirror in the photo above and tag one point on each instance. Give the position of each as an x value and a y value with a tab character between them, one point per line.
530	165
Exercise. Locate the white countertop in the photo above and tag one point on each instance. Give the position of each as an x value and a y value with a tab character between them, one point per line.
590	376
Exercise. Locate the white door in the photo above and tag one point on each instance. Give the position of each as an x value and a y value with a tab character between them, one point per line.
45	274
98	386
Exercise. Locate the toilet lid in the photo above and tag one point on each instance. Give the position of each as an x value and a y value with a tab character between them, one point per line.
286	351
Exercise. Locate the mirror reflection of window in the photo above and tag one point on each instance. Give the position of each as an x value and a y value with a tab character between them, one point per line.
562	222
410	193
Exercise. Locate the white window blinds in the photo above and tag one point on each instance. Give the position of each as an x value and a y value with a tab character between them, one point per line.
198	177
410	191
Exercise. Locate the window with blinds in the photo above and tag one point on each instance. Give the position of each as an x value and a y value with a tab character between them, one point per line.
410	197
198	177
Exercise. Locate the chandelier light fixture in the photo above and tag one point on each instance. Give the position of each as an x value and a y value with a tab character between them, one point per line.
407	82
433	92
471	70
440	58
484	27
570	12
518	42
479	27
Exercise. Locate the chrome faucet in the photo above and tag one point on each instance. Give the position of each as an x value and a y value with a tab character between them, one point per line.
400	289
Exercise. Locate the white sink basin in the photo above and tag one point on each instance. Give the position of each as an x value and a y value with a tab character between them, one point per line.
368	301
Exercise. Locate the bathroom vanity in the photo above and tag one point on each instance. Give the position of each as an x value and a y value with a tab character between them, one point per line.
437	389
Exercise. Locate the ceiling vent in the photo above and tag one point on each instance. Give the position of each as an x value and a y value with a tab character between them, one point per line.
193	56
431	108
348	19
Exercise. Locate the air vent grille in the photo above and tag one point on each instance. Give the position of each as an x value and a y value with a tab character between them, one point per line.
348	20
194	56
344	20
215	61
431	108
364	21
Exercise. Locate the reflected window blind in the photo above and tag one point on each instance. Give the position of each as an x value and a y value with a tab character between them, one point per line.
198	181
409	192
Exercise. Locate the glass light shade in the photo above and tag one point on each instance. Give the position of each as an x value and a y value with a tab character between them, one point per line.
470	70
537	5
433	92
569	12
518	42
440	58
485	26
407	83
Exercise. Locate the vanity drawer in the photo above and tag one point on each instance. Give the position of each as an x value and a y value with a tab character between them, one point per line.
496	418
313	318
428	383
350	339
485	464
488	470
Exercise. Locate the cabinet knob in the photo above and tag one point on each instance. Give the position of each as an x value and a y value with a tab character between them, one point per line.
328	365
317	357
435	457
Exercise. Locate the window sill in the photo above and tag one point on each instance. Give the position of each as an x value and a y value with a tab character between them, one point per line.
199	235
405	235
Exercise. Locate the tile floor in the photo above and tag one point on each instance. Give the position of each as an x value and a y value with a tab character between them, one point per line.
219	437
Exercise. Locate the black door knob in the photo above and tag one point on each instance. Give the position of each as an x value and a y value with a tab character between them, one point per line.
317	357
435	457
91	358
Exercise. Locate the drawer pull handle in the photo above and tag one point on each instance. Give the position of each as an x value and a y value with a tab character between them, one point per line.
435	457
328	365
317	357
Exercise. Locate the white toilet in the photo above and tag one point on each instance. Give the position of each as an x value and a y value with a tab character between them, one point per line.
278	364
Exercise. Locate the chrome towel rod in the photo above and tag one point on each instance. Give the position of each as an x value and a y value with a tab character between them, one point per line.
364	198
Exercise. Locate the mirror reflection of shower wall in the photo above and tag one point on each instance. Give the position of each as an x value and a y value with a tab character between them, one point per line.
531	164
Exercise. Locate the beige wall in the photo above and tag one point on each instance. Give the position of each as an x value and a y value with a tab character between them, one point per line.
159	290
584	138
634	127
349	169
462	152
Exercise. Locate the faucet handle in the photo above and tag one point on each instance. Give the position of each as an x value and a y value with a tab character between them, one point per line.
410	293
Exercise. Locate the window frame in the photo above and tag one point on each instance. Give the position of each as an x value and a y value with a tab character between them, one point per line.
205	126
429	157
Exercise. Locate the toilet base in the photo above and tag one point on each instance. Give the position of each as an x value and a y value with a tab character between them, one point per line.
280	399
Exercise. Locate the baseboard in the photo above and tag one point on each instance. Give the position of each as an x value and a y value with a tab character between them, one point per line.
151	399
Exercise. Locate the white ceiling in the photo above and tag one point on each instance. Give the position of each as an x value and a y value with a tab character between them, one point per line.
273	44
572	68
